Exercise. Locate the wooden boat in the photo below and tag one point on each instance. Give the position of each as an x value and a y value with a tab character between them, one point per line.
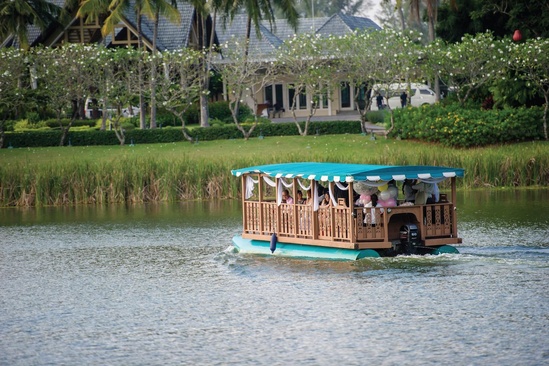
340	228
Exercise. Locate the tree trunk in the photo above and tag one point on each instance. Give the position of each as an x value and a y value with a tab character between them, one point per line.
2	133
204	111
142	110
153	73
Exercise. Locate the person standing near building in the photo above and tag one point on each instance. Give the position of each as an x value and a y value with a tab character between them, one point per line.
379	101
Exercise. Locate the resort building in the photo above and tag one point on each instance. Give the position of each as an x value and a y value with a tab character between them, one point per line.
190	32
280	93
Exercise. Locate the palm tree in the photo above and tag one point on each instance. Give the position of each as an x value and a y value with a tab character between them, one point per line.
94	9
17	15
203	10
258	10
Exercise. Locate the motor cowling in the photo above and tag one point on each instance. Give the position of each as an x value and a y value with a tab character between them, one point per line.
409	238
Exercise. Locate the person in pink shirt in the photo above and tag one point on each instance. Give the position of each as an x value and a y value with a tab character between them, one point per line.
286	198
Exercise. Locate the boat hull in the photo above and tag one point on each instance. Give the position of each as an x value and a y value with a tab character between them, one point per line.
263	247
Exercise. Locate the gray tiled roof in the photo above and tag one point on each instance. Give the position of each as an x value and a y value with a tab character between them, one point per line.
170	35
340	24
272	37
173	36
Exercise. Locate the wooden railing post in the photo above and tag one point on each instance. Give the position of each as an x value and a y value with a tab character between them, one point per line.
454	213
243	190
314	214
352	220
278	207
261	204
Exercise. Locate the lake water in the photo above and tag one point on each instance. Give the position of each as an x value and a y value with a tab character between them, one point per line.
156	285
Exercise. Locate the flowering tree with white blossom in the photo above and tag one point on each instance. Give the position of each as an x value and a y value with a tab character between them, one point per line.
375	60
178	84
530	61
243	77
65	76
12	93
308	60
467	65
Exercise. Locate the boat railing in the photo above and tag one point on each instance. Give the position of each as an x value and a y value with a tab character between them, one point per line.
343	224
434	221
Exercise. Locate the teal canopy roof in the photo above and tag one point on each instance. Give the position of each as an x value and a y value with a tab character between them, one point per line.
336	172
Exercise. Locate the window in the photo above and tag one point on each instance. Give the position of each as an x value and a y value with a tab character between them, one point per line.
301	102
345	95
275	98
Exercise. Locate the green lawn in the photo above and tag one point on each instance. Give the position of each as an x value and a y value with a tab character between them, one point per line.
341	148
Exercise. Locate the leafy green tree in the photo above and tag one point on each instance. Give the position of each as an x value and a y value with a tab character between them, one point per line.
243	78
367	60
179	85
530	62
17	15
12	90
203	10
123	85
168	10
65	75
306	60
258	10
466	66
500	17
117	10
396	57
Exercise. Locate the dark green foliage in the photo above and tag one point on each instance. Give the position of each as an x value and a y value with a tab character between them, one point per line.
458	127
230	131
54	123
32	138
165	119
192	115
474	16
91	137
376	116
165	135
220	111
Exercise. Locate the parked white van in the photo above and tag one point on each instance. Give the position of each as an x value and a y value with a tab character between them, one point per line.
420	94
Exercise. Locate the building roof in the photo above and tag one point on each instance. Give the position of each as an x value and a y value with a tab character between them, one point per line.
272	36
340	24
170	36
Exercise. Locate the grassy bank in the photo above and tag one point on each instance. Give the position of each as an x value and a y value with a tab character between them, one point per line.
183	171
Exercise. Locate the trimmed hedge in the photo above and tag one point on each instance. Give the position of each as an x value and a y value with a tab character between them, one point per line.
454	126
165	135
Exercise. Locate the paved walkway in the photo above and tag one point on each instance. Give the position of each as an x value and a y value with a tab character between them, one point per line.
340	117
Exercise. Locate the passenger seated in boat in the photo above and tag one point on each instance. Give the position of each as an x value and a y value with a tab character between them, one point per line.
370	210
407	190
300	199
286	198
326	200
309	200
436	194
424	192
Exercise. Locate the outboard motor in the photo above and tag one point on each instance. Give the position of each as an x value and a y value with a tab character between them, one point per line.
409	238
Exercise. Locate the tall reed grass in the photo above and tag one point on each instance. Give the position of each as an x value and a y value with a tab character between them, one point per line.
186	172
